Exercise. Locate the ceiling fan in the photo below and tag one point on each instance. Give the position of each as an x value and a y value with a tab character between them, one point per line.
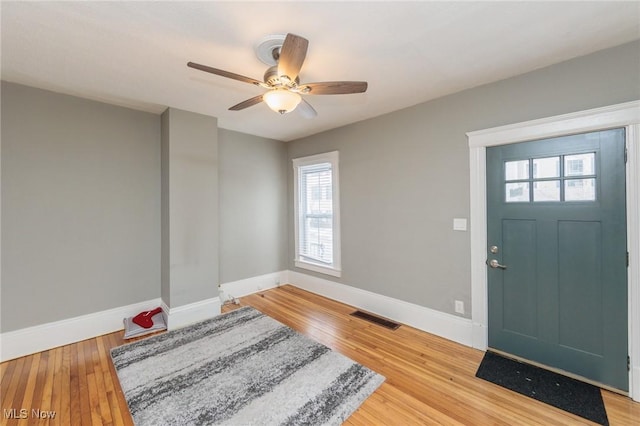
285	54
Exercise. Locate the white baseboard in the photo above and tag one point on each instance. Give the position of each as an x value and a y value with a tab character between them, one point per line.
251	285
435	322
480	336
26	341
635	383
181	316
30	340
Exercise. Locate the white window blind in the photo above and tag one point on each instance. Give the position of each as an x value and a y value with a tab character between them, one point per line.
316	208
317	230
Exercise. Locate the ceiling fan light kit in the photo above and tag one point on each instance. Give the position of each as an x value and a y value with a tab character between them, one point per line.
285	55
282	100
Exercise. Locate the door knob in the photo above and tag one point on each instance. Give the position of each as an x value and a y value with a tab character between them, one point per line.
494	264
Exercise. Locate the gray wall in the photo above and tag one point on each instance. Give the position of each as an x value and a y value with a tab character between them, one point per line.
404	176
81	193
190	207
253	206
80	206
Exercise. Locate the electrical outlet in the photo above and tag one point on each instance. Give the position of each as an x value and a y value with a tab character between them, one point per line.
459	306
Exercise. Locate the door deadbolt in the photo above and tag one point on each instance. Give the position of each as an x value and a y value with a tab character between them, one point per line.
494	249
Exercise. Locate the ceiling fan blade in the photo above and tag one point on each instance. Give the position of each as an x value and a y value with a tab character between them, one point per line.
305	109
246	104
334	88
292	54
224	73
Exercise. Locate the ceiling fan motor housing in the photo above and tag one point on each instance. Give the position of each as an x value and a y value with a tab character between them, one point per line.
272	79
271	76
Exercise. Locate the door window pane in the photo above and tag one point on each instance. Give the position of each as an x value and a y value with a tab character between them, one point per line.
546	190
546	168
580	164
516	170
517	192
580	190
544	180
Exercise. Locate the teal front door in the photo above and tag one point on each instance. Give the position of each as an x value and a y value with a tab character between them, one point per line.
557	256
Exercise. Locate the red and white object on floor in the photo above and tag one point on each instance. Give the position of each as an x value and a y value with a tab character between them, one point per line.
145	319
145	322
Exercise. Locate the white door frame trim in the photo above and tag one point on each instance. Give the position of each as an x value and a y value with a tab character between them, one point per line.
621	115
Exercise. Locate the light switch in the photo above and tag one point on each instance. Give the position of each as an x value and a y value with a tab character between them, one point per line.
459	224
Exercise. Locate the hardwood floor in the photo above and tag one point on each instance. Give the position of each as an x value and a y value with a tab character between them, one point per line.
430	380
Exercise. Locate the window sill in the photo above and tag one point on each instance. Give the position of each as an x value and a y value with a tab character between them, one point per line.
318	268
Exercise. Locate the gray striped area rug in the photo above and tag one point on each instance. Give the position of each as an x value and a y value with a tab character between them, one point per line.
240	368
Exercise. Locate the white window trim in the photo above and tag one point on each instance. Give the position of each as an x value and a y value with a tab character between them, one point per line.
625	115
329	157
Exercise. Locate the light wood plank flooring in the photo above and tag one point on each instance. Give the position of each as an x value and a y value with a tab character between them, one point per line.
430	380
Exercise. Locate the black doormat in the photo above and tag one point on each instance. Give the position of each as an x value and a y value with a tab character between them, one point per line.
565	393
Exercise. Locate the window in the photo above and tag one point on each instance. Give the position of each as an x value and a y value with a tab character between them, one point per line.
317	213
563	178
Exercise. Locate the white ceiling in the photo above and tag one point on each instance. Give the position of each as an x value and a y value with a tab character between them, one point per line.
135	53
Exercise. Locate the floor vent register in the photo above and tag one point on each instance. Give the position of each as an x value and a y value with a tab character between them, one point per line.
376	319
